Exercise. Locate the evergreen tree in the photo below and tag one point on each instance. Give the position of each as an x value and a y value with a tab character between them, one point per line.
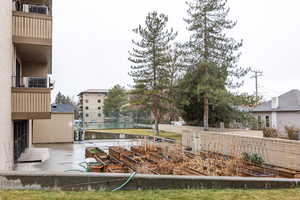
150	62
116	98
62	99
211	52
174	70
226	110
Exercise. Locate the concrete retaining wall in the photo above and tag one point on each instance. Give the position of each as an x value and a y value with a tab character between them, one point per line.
92	181
94	135
279	152
179	129
196	129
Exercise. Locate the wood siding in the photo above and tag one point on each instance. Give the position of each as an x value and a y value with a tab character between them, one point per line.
32	28
31	103
59	129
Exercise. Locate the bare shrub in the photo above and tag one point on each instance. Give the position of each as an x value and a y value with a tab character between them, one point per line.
291	131
270	132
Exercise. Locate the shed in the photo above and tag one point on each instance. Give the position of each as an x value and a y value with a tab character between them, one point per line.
58	129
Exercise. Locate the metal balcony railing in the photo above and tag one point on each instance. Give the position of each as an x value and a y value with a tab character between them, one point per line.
31	82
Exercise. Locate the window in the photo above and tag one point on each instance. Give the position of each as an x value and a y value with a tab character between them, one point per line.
268	121
86	101
99	108
87	115
99	115
86	107
99	100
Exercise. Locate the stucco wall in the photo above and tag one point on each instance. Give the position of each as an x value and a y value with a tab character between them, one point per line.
6	51
179	129
283	119
287	119
58	129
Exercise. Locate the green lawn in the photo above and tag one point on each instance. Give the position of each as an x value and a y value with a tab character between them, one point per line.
163	134
291	194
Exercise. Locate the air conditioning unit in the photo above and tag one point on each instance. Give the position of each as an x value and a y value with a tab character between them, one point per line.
14	6
38	9
25	81
32	82
25	8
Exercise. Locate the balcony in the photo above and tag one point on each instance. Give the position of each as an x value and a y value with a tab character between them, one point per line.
31	98
32	38
32	28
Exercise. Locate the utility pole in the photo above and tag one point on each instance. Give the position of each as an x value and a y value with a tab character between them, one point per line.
256	75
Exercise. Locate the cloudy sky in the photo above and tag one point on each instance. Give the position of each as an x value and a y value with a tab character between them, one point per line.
92	39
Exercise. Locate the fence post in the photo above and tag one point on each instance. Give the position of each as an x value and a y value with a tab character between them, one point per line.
222	126
195	142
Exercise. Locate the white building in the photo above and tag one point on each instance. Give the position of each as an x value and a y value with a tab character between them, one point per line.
280	111
91	104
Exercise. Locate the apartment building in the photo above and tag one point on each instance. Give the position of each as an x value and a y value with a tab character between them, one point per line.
25	66
91	105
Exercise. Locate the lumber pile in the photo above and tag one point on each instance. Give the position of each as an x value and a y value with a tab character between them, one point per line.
172	159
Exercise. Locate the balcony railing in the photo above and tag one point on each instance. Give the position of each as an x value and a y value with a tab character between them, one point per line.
32	28
31	98
31	82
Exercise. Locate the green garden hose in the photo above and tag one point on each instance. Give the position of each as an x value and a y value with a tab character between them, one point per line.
78	170
114	190
125	183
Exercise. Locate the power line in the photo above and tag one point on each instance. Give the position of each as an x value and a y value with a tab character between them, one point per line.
272	91
256	75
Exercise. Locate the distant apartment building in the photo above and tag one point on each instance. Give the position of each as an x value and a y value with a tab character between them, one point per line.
25	63
91	104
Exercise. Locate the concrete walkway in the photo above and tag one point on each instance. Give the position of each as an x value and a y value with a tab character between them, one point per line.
64	157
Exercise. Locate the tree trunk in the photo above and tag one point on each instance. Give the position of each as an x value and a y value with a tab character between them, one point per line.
156	119
205	114
206	56
156	127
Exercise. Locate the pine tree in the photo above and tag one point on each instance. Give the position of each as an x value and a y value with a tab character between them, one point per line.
59	98
212	52
174	69
64	99
116	98
150	59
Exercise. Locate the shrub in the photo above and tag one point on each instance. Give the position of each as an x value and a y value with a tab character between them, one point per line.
246	157
270	132
253	158
291	131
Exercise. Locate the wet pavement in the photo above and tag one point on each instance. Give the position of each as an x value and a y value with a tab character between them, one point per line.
65	157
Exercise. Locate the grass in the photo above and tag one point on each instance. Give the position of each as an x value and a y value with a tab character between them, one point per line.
162	134
287	194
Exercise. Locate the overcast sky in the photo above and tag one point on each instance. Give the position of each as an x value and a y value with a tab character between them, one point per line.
92	39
